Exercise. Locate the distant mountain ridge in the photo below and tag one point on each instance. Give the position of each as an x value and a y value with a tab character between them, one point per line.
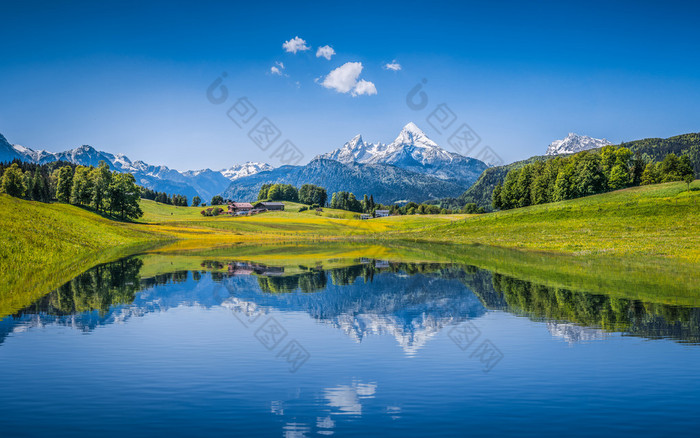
385	182
411	168
575	143
204	183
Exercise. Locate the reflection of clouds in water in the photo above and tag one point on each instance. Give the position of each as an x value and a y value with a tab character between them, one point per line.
296	430
347	398
344	400
325	423
573	333
394	412
277	407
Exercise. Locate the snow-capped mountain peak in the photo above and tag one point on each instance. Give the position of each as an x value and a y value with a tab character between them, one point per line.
411	150
411	141
575	143
411	134
246	169
356	140
355	151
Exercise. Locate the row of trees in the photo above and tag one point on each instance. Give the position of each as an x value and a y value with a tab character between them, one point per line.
95	187
311	194
308	194
348	201
672	168
415	208
582	174
164	198
278	192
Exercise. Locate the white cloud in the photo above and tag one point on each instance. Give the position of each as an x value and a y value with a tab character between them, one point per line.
295	45
277	69
344	79
325	51
364	87
393	65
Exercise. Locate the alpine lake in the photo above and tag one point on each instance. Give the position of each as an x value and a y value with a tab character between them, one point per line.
322	339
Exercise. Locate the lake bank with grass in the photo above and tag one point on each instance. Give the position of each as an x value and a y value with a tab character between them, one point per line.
642	236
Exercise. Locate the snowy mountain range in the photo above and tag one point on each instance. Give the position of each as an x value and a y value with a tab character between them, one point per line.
412	167
575	143
411	150
204	183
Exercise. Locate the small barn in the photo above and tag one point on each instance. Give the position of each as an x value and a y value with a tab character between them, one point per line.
273	206
381	213
239	207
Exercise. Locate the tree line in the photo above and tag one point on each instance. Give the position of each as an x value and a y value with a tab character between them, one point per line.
308	194
585	173
164	198
348	201
114	193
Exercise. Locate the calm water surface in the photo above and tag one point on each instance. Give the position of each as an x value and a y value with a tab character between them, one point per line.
374	348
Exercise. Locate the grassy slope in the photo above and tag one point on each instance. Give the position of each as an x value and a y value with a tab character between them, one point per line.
288	224
43	245
47	244
641	222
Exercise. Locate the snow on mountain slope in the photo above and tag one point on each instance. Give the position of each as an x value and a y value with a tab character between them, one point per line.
246	169
411	150
205	183
575	143
355	151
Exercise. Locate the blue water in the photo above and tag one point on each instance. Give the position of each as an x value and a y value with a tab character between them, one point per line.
392	354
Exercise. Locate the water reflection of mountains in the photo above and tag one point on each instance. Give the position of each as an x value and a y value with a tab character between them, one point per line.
412	302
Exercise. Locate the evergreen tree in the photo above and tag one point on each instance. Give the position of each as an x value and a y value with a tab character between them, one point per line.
64	184
101	177
563	187
495	198
81	193
590	178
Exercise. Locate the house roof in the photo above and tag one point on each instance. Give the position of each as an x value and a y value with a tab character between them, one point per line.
381	211
272	203
242	205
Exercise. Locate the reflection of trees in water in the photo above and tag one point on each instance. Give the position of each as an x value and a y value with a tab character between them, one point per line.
311	281
118	283
161	279
316	279
97	289
610	313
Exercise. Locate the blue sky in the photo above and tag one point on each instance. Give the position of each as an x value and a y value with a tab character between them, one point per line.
132	78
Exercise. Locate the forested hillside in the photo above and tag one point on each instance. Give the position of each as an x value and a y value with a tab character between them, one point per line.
649	150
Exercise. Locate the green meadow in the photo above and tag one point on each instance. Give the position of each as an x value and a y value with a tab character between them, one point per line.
635	242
